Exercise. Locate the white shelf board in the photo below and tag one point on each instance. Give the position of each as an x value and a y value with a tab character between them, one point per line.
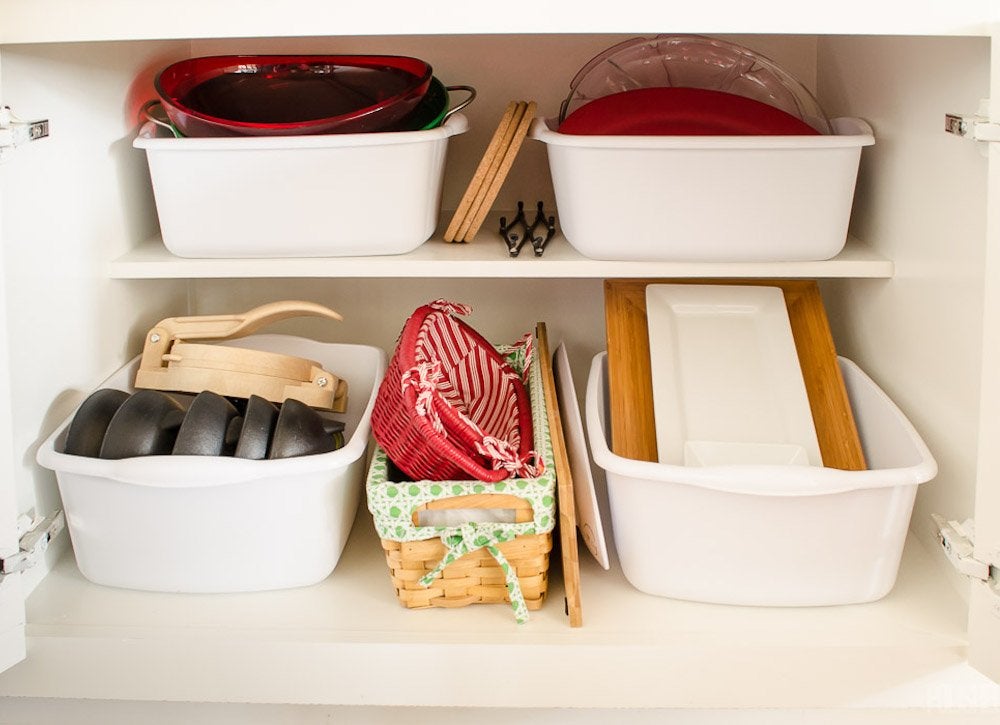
485	257
347	641
71	20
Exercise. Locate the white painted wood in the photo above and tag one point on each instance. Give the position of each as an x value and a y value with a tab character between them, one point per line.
72	201
87	712
922	200
66	20
485	257
12	640
347	641
984	609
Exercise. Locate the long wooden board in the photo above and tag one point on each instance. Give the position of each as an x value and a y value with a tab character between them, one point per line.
565	500
630	383
633	429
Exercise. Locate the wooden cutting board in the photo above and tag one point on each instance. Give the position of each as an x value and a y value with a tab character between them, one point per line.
565	495
630	387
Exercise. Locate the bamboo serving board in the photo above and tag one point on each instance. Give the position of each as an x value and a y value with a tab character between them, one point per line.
633	429
566	503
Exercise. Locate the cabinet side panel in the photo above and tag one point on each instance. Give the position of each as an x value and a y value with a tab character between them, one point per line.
984	612
12	643
921	202
72	202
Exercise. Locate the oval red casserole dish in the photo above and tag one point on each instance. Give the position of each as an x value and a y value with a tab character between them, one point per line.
289	95
673	111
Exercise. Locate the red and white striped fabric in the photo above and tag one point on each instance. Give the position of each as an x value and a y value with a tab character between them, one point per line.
450	404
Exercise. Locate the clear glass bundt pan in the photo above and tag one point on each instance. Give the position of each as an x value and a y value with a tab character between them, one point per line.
693	61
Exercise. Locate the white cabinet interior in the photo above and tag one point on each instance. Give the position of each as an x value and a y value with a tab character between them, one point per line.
79	223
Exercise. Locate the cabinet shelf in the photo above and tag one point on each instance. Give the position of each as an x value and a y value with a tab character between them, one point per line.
347	641
485	257
63	21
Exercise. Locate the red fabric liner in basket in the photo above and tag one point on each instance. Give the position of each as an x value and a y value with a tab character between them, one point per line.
450	406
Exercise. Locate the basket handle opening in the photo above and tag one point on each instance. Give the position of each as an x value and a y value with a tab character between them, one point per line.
474	508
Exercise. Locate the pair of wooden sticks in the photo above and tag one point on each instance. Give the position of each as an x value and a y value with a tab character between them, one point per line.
491	172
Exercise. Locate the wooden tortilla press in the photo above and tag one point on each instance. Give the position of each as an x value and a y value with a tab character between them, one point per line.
169	362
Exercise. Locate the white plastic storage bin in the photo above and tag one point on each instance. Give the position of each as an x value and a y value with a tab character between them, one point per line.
221	524
298	196
766	535
706	198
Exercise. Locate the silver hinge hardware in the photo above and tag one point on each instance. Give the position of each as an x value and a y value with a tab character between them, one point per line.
976	127
33	544
958	542
14	131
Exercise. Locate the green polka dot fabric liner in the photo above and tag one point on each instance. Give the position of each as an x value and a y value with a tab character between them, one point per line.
392	503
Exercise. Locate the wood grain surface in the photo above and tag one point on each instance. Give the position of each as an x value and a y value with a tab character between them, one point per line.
630	387
566	503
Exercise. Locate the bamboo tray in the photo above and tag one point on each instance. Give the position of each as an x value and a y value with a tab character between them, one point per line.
633	428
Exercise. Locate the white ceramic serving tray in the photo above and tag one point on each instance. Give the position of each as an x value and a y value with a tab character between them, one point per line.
588	512
727	385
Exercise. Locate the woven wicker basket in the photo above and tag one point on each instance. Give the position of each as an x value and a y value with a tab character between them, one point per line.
430	423
475	577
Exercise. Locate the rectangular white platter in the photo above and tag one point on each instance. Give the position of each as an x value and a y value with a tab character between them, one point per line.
727	385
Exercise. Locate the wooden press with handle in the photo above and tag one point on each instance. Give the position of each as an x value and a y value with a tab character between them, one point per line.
170	361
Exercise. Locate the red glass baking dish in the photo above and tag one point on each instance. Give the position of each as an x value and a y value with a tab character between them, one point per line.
290	95
673	111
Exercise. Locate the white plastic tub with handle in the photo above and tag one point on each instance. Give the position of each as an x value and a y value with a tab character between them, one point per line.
333	195
706	198
217	523
766	534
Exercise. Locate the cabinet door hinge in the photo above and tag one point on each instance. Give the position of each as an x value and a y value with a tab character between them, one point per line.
977	127
14	131
33	544
958	542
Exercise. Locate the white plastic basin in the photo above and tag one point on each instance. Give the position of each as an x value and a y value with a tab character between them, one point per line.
221	524
332	195
706	198
775	535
